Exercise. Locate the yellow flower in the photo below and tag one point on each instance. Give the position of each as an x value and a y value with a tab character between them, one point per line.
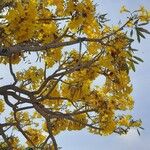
14	141
108	128
136	123
76	23
20	21
142	9
44	127
123	9
35	136
124	121
130	24
1	105
36	115
144	16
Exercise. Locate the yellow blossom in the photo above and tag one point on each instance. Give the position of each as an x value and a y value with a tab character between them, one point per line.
35	136
137	123
1	105
130	24
123	9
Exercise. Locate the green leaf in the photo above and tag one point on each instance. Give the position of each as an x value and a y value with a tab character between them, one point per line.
137	58
134	61
69	103
133	49
138	38
103	16
136	21
129	53
1	16
29	148
141	34
131	33
141	128
127	69
131	40
138	132
133	66
142	24
137	34
143	30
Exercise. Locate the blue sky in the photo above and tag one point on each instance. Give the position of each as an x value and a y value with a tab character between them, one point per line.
141	82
